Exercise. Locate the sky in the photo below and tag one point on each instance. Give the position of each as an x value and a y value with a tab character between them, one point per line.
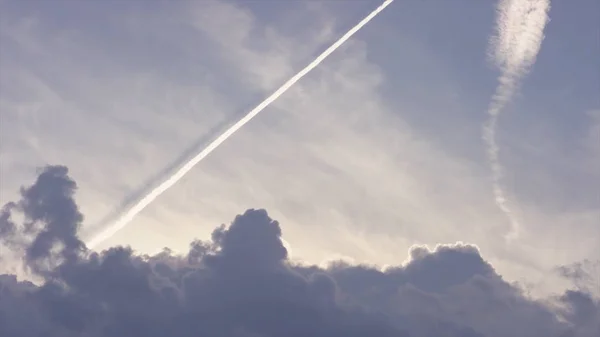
374	155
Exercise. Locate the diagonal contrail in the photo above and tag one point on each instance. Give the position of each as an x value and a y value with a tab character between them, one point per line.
159	176
127	216
520	31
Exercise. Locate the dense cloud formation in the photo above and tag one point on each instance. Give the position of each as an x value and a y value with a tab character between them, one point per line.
241	284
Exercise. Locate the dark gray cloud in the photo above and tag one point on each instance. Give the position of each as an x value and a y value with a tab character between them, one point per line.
240	283
579	306
585	274
7	225
51	220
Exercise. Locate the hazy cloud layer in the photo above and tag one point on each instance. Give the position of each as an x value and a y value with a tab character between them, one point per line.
375	151
241	283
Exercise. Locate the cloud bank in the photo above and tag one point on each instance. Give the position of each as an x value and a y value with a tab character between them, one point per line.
241	283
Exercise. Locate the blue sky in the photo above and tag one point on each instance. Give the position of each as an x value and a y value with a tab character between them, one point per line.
376	150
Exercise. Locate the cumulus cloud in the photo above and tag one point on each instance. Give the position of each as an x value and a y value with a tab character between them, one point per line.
241	283
584	275
51	219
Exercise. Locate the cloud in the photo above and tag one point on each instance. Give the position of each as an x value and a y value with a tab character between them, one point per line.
520	32
174	177
370	154
51	220
241	283
585	275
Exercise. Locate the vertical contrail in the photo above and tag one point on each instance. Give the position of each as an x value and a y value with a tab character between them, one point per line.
520	31
126	217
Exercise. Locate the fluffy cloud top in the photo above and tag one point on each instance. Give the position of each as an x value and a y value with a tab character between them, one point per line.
241	283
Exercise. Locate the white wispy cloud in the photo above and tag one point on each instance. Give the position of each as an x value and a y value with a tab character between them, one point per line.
520	31
173	177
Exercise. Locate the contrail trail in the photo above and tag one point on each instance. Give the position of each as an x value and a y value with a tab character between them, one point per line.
183	170
520	31
159	176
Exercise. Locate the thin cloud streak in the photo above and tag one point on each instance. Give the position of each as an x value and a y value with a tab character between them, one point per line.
174	178
520	31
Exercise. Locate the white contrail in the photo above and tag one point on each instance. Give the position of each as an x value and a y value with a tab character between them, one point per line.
520	31
125	218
